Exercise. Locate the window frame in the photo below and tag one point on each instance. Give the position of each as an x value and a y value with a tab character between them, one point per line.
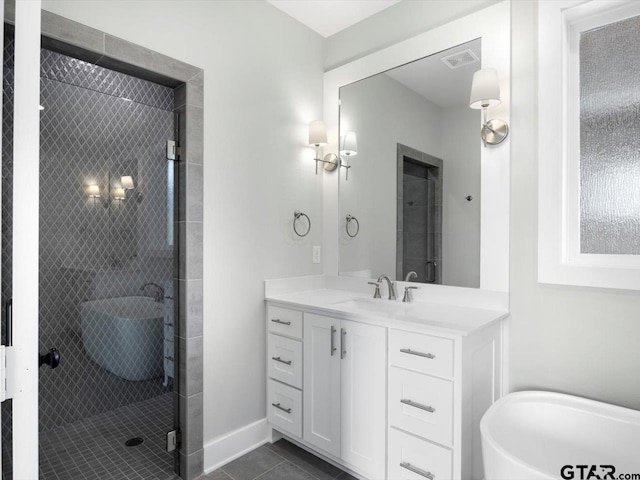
559	258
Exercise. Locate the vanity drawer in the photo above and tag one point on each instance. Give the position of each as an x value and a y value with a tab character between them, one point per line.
285	360
422	353
284	408
284	321
411	458
421	404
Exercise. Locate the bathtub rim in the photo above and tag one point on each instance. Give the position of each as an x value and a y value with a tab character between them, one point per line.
89	304
573	402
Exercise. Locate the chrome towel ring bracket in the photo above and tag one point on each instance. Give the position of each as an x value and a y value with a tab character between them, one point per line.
296	216
351	218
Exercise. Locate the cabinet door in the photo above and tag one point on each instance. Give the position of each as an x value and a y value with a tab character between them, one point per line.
321	385
363	351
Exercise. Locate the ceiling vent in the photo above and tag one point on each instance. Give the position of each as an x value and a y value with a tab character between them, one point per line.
460	59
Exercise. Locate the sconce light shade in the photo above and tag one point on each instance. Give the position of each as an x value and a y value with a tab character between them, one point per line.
93	191
485	89
118	193
317	133
349	144
127	182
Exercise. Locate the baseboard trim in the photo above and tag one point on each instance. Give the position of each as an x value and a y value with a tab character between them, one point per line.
226	448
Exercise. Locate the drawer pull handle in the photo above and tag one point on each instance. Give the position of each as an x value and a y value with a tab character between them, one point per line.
419	354
417	470
426	408
278	359
285	410
277	320
333	340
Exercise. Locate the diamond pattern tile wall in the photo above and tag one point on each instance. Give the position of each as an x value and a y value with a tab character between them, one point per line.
97	126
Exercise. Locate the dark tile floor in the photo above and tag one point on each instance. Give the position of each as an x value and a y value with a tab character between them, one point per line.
280	461
93	448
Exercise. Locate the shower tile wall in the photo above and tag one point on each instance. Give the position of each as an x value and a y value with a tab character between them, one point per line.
97	125
422	224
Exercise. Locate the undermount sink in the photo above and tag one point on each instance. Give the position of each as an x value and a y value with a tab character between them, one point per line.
375	305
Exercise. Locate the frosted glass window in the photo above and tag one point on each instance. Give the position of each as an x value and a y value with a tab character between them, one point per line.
610	139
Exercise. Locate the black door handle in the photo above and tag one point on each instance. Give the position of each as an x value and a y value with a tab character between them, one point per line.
51	358
8	316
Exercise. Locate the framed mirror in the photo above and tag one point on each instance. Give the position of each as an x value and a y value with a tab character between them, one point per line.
414	186
423	194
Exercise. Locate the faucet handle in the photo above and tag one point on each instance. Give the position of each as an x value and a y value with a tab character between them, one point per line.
408	298
377	292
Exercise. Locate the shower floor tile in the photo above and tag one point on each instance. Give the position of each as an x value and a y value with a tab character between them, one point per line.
93	448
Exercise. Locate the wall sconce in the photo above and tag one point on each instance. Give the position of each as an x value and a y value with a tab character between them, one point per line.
318	138
119	194
348	148
485	93
94	192
127	184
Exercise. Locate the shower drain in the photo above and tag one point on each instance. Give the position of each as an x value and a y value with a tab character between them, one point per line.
134	442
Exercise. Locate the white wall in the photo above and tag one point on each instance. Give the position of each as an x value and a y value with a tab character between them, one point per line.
263	84
578	340
383	113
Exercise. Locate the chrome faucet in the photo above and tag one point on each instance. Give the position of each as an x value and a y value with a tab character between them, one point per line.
408	297
158	294
410	276
377	292
392	289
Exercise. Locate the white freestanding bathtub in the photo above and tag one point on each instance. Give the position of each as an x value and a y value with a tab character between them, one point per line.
124	335
543	435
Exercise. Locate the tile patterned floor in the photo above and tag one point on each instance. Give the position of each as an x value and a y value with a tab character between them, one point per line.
280	461
93	448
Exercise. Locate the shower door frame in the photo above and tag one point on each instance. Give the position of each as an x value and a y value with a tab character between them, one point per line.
405	152
85	43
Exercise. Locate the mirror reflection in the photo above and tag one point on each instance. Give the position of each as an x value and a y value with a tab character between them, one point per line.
414	186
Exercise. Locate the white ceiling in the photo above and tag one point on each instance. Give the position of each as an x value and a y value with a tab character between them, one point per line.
330	16
432	79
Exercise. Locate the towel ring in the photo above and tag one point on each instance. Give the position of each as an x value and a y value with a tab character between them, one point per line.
351	218
296	216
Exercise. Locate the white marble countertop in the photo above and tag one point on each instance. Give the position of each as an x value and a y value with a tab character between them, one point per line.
418	315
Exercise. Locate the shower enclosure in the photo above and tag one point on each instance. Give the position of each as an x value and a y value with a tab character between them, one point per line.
101	254
107	257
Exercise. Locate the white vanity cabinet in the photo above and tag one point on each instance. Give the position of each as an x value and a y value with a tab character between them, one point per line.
385	399
345	390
